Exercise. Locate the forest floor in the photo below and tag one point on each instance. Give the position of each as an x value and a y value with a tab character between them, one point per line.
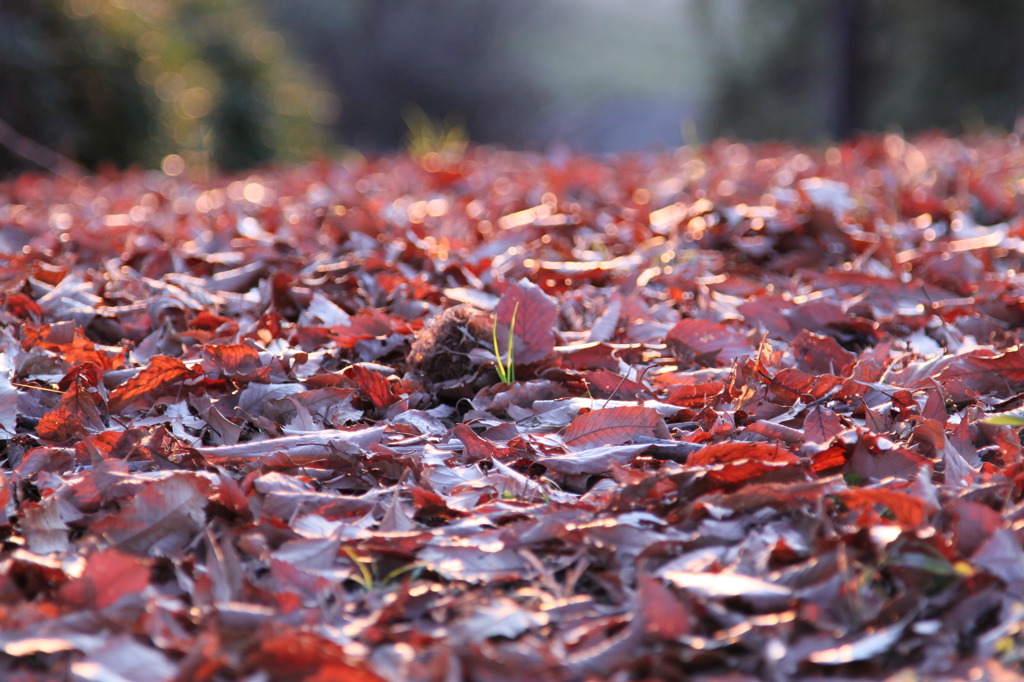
738	412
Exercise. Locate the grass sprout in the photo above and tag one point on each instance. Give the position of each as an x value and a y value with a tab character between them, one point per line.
368	578
506	369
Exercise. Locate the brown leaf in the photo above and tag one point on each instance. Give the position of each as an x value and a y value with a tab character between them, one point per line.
973	525
792	384
5	500
773	431
983	372
163	517
123	657
703	338
597	460
536	320
875	459
307	445
818	354
476	448
696	394
611	426
821	425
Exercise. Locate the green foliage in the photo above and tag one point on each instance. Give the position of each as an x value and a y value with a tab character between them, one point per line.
781	70
427	136
132	81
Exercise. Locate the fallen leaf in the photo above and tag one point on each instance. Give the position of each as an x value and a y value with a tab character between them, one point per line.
162	518
821	425
611	426
231	359
108	576
8	406
703	338
861	649
756	593
164	376
535	324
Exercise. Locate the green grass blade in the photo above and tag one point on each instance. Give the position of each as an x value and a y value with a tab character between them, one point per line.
367	577
497	352
511	344
506	372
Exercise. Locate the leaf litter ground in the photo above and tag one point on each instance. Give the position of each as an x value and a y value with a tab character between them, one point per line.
253	428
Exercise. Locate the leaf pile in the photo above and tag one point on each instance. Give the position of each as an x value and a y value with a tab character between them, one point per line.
252	427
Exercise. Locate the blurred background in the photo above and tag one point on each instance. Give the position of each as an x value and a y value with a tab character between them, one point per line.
231	84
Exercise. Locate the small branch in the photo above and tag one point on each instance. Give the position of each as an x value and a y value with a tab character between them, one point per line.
38	154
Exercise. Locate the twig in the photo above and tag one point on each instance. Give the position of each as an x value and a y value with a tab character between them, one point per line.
639	378
39	154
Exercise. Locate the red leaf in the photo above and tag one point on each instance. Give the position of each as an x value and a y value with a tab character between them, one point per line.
732	452
231	358
822	354
476	447
821	425
71	345
604	383
908	511
709	339
108	576
816	315
75	416
5	498
695	395
372	385
875	459
611	426
773	431
363	326
973	524
22	306
791	384
536	320
589	356
830	458
983	373
164	376
736	462
288	653
659	609
164	516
